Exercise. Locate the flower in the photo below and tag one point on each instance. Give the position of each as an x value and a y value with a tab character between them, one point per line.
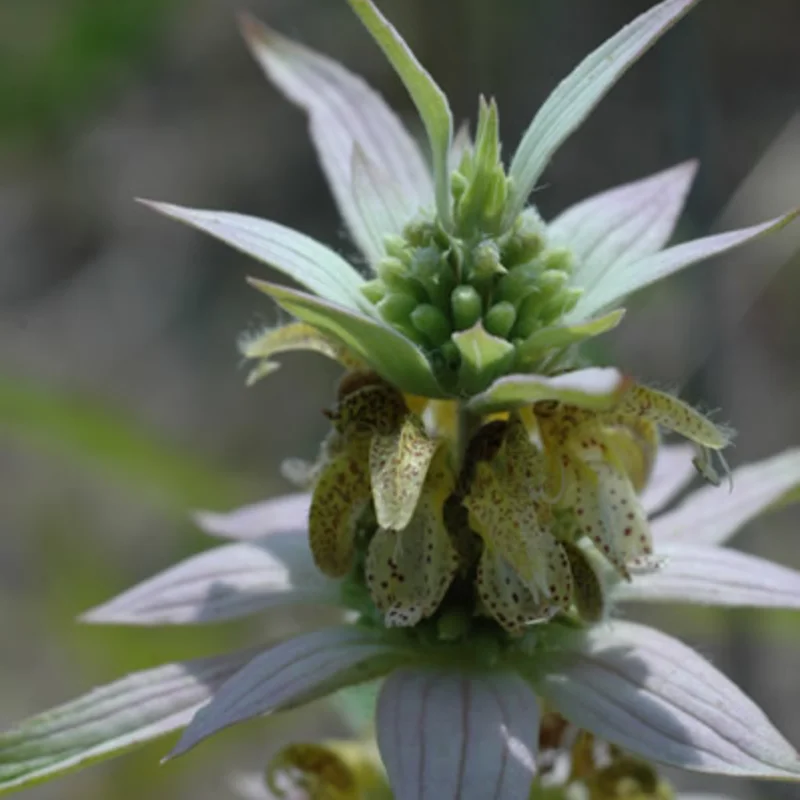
468	292
480	506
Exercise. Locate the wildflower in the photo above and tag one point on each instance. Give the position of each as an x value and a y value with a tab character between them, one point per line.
480	505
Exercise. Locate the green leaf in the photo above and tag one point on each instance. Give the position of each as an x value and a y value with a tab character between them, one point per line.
577	95
345	116
111	720
298	256
596	388
629	277
483	358
86	431
429	99
389	353
543	341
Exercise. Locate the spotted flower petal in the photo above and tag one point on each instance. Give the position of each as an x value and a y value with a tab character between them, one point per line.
296	671
710	517
341	495
398	465
576	96
622	224
716	576
226	582
409	571
450	736
649	693
345	114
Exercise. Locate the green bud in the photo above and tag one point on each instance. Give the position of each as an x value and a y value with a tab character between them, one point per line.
458	185
431	323
529	317
374	290
450	354
528	239
396	246
552	281
485	264
396	307
519	283
466	305
500	319
419	234
559	304
436	276
394	273
561	259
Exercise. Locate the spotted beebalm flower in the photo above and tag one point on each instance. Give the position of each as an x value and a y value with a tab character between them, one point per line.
480	506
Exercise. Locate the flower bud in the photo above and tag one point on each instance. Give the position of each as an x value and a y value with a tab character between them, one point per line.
374	290
520	281
500	319
394	273
466	306
431	323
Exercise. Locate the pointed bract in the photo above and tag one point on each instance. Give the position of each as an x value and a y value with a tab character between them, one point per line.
714	576
225	582
345	115
296	671
429	99
622	224
578	94
710	517
296	255
448	736
651	694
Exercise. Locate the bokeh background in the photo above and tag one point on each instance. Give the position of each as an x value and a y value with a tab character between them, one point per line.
122	402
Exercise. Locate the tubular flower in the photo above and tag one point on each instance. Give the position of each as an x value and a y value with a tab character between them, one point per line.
480	506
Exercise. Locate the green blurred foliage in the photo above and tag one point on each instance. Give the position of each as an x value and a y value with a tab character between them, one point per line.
58	58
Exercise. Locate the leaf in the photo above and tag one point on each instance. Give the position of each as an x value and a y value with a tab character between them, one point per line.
443	734
715	576
296	255
596	388
226	582
388	352
347	117
649	693
111	720
576	96
622	224
543	341
296	671
429	99
483	357
711	515
285	339
630	276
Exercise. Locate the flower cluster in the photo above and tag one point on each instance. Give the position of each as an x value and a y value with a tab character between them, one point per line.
481	504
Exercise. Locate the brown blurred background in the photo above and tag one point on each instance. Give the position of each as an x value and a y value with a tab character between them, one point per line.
122	401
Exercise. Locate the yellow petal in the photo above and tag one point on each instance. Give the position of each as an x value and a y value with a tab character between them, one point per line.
340	496
398	464
296	336
409	571
634	448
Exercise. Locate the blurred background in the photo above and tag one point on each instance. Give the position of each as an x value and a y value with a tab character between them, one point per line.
122	398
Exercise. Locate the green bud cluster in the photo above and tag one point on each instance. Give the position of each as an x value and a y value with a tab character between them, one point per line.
434	283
